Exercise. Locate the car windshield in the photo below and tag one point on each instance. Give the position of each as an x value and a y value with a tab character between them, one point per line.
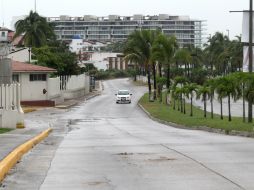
123	92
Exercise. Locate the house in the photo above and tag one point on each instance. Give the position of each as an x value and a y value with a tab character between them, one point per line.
6	35
34	81
38	89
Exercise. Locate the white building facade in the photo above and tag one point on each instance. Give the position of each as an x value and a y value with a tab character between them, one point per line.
117	28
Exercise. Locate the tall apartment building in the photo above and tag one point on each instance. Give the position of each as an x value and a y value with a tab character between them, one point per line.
117	28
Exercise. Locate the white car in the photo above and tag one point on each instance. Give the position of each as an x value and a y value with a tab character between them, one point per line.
123	96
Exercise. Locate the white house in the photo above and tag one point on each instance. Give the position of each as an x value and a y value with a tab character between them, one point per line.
79	45
37	88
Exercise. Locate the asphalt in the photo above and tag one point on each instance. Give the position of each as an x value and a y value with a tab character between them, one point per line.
98	144
35	124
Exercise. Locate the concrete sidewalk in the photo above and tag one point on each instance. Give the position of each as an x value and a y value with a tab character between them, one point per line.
38	121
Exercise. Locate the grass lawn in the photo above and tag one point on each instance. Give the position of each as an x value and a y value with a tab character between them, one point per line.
167	113
4	130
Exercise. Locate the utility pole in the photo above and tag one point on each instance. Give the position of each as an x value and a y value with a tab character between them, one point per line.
35	6
250	56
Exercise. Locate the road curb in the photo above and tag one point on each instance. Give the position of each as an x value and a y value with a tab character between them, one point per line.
202	128
93	96
10	160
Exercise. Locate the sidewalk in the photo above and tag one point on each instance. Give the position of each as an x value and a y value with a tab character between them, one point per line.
36	122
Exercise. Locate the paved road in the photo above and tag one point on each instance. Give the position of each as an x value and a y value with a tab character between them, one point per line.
109	146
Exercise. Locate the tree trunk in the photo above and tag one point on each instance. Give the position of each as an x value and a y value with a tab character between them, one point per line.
154	81
168	76
178	104
188	70
149	83
221	111
191	112
160	71
174	104
229	110
211	106
205	105
181	99
244	117
184	111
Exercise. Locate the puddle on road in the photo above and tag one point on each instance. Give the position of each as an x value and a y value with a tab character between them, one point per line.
87	120
154	158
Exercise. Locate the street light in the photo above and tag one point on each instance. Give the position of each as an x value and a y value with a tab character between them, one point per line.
250	44
228	32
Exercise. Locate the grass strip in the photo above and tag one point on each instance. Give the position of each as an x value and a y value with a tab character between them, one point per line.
5	130
167	113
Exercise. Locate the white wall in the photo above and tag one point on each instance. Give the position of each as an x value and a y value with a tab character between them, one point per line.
100	59
53	87
32	90
87	84
11	112
22	55
76	86
53	90
142	78
3	36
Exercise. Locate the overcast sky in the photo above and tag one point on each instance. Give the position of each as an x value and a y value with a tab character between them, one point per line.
215	12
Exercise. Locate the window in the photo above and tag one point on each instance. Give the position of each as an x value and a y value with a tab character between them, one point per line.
3	34
15	78
38	77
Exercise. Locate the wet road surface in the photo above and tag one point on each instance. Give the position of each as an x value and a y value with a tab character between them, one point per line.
101	145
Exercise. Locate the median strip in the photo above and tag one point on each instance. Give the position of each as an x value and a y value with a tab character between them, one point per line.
9	161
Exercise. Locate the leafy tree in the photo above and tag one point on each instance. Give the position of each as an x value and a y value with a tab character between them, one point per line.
59	58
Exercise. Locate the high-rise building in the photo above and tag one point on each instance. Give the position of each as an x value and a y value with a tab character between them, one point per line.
117	28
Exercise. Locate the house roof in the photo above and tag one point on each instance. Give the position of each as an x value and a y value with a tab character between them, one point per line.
5	29
20	67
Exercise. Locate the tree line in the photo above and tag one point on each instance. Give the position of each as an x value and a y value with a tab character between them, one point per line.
188	71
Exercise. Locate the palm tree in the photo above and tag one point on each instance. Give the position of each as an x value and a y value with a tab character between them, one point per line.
212	86
139	43
218	51
183	56
164	49
178	96
36	30
227	87
190	88
241	82
236	54
180	81
203	92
